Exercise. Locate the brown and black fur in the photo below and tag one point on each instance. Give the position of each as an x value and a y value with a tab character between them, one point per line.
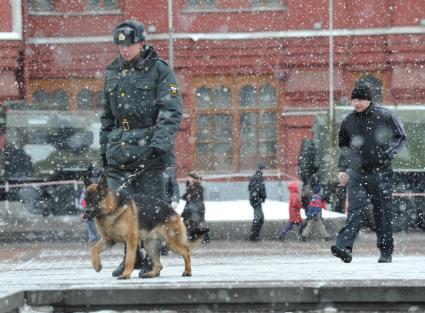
121	217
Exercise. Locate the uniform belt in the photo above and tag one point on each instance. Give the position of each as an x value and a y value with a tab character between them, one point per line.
375	169
128	124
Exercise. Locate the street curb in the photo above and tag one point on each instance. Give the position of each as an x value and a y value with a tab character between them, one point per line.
236	297
58	229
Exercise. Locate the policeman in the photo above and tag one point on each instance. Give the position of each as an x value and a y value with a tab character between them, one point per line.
369	138
141	115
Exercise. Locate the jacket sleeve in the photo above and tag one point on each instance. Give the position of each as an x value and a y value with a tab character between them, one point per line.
263	191
399	136
107	121
170	109
174	186
344	145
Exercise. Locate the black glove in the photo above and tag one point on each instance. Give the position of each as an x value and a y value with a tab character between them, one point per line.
104	160
157	153
152	153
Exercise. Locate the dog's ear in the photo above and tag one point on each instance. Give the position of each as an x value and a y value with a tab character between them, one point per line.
87	181
102	186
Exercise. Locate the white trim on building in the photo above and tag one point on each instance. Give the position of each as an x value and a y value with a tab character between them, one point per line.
16	34
401	30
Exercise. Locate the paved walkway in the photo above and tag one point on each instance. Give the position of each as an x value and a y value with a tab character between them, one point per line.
226	265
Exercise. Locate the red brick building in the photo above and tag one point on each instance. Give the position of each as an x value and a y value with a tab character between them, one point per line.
253	72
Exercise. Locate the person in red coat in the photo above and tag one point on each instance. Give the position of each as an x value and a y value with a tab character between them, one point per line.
295	206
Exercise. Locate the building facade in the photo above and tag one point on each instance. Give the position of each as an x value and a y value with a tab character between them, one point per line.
254	73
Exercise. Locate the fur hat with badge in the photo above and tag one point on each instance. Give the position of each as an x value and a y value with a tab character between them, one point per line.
129	32
361	92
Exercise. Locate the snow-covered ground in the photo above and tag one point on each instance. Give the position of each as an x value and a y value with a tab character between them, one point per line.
241	210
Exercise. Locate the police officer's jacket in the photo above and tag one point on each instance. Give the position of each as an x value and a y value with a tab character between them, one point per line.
370	139
142	108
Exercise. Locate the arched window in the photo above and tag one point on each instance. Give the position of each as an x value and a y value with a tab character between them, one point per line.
60	100
223	97
203	98
84	100
213	128
247	96
40	100
236	136
267	97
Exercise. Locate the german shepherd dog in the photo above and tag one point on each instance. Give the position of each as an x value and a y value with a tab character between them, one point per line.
121	217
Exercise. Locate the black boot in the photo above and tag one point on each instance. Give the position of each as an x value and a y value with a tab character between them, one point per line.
138	264
343	253
385	258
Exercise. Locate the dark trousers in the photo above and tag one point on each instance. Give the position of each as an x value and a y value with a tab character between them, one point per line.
150	183
258	220
374	186
289	227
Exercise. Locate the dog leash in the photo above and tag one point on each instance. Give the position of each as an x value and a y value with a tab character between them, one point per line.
89	213
132	177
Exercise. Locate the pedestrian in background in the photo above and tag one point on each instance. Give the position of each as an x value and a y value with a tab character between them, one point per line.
295	219
369	138
257	195
172	193
172	190
142	112
314	215
86	217
194	210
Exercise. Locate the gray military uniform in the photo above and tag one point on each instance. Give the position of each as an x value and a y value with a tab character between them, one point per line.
142	109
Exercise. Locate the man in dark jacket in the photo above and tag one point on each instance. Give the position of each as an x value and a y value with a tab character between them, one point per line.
369	138
172	190
194	210
257	195
141	114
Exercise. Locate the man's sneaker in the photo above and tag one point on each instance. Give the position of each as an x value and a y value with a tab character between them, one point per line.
120	269
385	258
144	270
343	253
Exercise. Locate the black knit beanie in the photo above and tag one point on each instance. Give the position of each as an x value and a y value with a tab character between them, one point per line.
361	92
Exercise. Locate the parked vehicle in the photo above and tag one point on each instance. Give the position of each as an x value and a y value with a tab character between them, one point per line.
45	155
318	156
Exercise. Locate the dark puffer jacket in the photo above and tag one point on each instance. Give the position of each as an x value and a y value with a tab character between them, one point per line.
370	139
142	108
194	211
257	189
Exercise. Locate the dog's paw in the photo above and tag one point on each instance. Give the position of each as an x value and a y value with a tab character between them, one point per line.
124	276
97	267
187	274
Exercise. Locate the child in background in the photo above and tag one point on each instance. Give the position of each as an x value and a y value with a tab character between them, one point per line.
314	215
294	212
90	225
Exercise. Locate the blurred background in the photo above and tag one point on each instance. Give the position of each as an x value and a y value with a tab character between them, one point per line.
262	81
